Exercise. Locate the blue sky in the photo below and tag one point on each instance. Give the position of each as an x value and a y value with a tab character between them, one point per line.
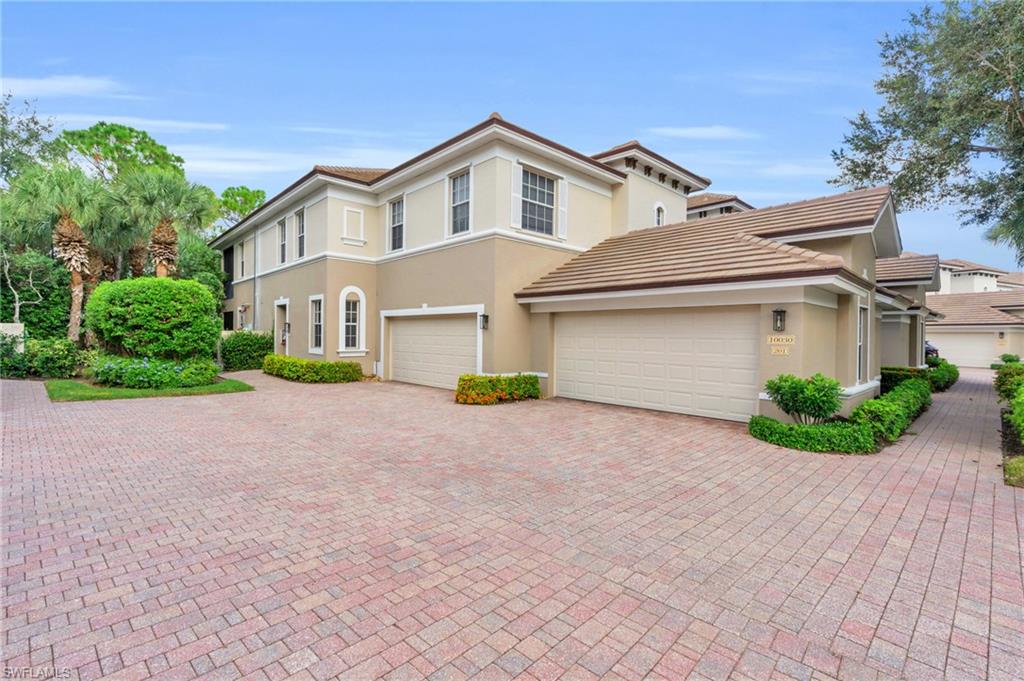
752	95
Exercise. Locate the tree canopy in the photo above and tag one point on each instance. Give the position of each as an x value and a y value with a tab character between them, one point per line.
237	202
25	139
951	126
111	149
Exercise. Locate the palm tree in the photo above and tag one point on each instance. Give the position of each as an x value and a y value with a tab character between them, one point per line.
64	204
168	202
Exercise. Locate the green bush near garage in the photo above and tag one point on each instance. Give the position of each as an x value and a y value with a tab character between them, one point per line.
890	415
1008	381
242	350
943	376
476	389
311	370
939	373
893	376
839	436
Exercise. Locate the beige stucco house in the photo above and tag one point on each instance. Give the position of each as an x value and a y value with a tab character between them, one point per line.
903	284
976	328
501	251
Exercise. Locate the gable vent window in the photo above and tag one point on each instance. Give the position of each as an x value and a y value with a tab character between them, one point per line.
538	203
659	216
460	203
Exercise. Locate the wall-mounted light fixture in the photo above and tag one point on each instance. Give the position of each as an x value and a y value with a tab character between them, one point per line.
484	321
1002	335
778	321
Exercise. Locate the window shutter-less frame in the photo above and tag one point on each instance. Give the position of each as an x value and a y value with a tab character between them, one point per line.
563	209
516	219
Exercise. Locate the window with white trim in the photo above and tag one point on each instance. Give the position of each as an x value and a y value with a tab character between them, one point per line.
300	233
538	203
282	240
316	324
396	222
659	216
351	340
862	346
460	203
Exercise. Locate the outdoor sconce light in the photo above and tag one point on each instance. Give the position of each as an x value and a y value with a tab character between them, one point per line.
484	321
778	321
1002	335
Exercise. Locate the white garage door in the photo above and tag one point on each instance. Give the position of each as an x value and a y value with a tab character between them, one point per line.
966	349
695	361
433	350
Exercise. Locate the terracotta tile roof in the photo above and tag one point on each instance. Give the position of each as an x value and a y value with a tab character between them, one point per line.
989	308
1012	278
633	144
907	267
721	249
897	295
968	266
695	201
352	173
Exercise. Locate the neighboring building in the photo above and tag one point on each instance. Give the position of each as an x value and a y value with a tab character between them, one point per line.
709	205
964	276
903	284
977	327
500	251
1011	281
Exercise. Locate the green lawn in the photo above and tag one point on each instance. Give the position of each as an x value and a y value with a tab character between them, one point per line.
77	391
1013	471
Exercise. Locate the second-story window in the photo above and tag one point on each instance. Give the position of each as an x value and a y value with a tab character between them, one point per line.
460	203
397	224
282	240
538	203
300	233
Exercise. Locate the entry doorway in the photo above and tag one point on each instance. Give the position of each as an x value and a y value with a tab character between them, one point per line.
282	327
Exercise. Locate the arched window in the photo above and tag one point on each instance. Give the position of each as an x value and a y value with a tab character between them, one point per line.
659	215
352	321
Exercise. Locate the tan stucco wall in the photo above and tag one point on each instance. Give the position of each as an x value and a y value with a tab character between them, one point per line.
241	295
297	284
337	212
642	193
813	351
896	342
341	274
425	215
590	219
486	201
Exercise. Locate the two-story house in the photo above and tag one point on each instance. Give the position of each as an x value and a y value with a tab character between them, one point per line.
501	251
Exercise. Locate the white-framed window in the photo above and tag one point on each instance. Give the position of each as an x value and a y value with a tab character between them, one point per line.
316	324
241	260
702	214
352	322
460	202
396	224
659	215
862	344
300	233
282	240
538	203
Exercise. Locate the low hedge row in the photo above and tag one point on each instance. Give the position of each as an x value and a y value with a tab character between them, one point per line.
475	389
311	370
136	372
42	357
245	350
893	376
1008	381
837	436
890	415
943	375
939	373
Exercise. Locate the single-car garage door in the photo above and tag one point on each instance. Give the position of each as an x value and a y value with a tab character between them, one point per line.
967	349
694	361
433	350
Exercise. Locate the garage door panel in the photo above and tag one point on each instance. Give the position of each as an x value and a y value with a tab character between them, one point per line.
433	351
689	361
967	349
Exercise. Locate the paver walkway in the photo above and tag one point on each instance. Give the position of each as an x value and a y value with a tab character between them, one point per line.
369	530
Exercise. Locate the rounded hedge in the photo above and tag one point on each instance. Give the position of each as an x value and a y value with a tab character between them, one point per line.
245	350
154	317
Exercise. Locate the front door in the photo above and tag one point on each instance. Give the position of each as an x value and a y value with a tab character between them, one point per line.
281	328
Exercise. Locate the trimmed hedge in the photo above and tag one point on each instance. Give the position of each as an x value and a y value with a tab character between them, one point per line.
940	374
943	375
806	400
154	317
311	370
1016	415
843	437
135	372
893	376
475	389
1009	379
890	415
1009	358
43	357
245	350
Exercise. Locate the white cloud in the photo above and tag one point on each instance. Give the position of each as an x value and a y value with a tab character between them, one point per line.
235	162
65	86
812	168
147	124
705	132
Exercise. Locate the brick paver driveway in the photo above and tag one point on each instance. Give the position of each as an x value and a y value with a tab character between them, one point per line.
380	530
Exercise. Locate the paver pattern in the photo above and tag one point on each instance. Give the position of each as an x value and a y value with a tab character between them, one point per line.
380	530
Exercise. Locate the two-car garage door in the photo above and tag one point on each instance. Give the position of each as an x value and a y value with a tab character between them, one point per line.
692	361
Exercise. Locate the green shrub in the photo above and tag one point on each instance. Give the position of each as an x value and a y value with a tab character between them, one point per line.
943	375
933	361
46	303
311	370
806	400
154	317
890	415
13	363
1009	358
245	350
52	357
1016	416
893	376
1009	378
838	436
135	372
475	389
